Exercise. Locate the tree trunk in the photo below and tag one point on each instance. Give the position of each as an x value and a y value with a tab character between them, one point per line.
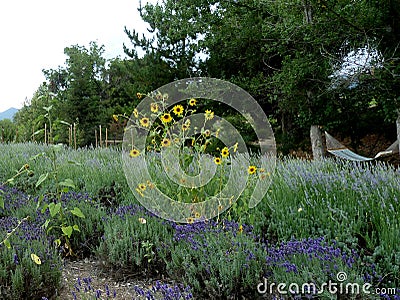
316	142
398	129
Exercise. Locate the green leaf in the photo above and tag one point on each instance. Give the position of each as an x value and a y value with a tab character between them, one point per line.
37	156
10	181
7	243
67	183
37	132
57	242
47	108
41	197
54	209
44	208
67	230
46	224
77	212
41	179
73	162
76	228
1	201
65	123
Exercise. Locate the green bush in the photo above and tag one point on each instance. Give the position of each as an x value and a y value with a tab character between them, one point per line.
31	267
131	238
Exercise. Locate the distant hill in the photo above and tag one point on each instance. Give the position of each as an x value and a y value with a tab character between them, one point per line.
8	114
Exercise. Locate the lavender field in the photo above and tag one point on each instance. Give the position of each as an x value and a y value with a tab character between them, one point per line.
321	225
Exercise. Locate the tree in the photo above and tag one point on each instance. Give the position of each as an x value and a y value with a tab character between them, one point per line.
30	119
80	87
291	56
8	131
126	78
313	39
175	27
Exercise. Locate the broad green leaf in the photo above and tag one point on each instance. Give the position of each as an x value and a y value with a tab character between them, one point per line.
67	230
54	209
7	243
76	228
77	212
41	179
67	183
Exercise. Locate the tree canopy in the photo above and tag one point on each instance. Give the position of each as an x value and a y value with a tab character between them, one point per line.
329	63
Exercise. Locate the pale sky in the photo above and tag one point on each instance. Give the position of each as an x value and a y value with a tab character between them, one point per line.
33	35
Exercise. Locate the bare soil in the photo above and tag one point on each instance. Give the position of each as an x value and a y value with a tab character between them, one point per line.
100	278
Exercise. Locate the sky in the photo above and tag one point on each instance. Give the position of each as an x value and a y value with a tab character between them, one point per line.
33	35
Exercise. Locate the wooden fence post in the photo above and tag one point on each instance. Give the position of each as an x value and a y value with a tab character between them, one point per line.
101	142
45	133
398	128
106	137
316	142
74	136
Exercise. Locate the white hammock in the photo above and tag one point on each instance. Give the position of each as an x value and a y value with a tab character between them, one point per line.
334	147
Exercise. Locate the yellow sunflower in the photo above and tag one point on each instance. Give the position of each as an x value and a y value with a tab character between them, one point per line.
135	113
134	153
178	110
192	102
252	169
209	114
225	152
145	122
166	118
185	127
154	107
165	142
142	187
217	160
115	117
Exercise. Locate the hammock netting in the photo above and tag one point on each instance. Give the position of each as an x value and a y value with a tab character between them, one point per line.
336	148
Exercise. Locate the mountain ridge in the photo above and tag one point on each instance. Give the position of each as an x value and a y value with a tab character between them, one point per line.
8	114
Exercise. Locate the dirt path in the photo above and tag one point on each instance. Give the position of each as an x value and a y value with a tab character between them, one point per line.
93	280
